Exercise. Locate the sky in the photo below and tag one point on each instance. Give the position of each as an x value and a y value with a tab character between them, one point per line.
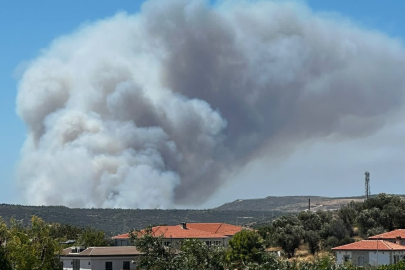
317	168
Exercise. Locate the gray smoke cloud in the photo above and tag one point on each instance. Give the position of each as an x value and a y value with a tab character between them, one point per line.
153	110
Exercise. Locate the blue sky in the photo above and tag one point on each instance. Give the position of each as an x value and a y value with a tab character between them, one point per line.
28	26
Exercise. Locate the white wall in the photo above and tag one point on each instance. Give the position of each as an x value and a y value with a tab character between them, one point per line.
98	263
383	258
84	264
340	254
67	264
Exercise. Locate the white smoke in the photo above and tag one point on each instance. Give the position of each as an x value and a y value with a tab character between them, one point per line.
151	110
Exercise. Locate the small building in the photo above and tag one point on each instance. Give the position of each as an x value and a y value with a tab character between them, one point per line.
213	234
99	258
370	253
396	236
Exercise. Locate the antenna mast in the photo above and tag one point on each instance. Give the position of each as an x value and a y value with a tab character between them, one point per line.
367	185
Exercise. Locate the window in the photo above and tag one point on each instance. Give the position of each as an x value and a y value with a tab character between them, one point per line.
217	243
108	266
396	258
125	265
346	258
360	261
166	243
208	243
76	264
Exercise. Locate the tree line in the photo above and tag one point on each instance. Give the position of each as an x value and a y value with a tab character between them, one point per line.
323	230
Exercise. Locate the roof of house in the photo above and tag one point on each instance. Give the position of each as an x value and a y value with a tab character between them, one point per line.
103	251
221	228
193	230
390	235
370	245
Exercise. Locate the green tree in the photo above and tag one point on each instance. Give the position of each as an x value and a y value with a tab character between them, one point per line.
92	238
196	255
366	219
155	256
286	220
312	238
375	231
266	233
348	215
64	232
335	228
398	266
32	248
244	248
288	238
310	221
325	216
5	263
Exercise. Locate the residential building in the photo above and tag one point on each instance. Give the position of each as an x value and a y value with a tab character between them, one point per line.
396	236
370	253
99	258
217	234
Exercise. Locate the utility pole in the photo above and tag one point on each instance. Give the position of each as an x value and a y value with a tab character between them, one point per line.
309	205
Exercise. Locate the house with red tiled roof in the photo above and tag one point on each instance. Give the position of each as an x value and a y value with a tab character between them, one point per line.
396	236
217	234
370	253
96	258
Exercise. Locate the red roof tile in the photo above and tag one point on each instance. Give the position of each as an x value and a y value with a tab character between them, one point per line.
178	232
370	245
121	236
193	230
221	228
390	235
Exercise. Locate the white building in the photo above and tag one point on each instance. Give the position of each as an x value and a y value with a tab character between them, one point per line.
370	253
99	258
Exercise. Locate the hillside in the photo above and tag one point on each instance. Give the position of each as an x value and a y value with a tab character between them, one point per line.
115	221
289	203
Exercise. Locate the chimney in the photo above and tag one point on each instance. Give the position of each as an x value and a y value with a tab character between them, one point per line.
183	225
398	240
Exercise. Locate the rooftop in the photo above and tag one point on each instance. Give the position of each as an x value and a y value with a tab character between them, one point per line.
370	245
221	228
390	235
192	230
103	251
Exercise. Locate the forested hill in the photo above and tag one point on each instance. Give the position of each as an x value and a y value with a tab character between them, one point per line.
116	221
290	203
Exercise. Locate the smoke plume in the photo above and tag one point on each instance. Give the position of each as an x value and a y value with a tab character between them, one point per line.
152	110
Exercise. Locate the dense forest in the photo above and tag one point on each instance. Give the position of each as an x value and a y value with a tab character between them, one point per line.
117	221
